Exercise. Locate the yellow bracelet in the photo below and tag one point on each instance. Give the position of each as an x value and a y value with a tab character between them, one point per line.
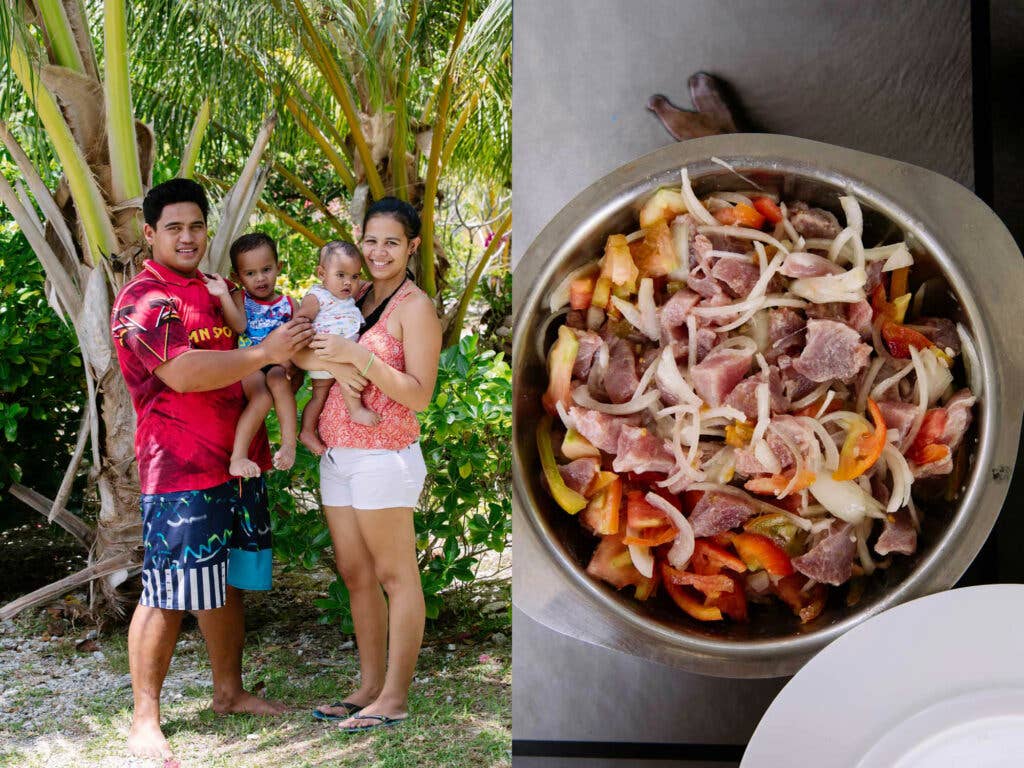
369	362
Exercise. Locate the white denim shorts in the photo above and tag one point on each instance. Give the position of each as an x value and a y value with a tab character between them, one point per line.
372	479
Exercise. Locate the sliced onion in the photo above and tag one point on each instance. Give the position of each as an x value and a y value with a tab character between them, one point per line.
971	361
862	532
681	240
743	233
844	499
645	380
682	550
885	384
595	318
847	287
669	377
631	313
563	414
693	205
827	443
559	297
900	258
902	478
854	216
648	311
691	339
637	404
542	332
642	559
728	167
733	197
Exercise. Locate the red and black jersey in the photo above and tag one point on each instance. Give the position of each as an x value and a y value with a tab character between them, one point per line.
182	440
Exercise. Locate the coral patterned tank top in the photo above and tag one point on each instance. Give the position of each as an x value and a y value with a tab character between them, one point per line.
398	427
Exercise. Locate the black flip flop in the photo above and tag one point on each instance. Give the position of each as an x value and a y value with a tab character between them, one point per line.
383	722
348	706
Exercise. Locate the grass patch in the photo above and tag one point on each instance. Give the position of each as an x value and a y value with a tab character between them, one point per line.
460	702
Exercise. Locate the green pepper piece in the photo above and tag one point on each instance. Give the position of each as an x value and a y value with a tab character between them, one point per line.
564	496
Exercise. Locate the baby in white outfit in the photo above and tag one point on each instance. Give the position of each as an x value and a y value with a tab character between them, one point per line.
332	308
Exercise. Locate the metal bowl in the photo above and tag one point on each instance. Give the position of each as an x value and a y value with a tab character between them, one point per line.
954	237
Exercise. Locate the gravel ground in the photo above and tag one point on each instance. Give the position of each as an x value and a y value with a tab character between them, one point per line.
62	697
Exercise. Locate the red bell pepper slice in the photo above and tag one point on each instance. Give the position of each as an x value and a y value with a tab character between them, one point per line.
862	449
688	602
710	558
760	552
733	603
767	208
899	339
710	584
650	537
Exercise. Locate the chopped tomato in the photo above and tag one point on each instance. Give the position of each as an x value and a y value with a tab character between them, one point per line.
686	600
767	208
775	484
650	537
612	563
581	292
710	558
899	339
760	552
741	215
862	448
780	529
602	512
642	514
561	358
602	292
927	446
618	265
658	256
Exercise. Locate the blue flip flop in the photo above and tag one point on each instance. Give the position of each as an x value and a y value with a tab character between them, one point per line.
348	706
383	721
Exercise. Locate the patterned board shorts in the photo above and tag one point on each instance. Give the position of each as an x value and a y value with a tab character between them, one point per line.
198	542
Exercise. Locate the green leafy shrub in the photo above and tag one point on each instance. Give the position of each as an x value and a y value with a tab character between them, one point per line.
465	509
41	382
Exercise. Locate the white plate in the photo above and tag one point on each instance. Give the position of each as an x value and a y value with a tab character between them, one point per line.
935	682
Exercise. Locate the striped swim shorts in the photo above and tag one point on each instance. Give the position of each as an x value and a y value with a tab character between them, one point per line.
198	542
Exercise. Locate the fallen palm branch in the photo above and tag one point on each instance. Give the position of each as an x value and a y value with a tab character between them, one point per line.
123	565
69	521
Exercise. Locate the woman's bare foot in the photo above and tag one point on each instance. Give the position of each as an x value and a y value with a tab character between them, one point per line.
363	415
243	467
247	703
285	457
145	739
312	441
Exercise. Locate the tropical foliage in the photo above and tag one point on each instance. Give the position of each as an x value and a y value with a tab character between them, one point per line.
297	111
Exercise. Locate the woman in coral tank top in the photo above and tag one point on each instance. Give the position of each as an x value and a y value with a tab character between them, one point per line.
371	476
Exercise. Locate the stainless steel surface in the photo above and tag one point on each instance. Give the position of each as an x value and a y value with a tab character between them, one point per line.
963	238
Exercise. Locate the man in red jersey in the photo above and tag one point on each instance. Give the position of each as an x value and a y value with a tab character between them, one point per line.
206	534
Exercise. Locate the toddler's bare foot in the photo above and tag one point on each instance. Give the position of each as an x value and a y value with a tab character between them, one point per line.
365	416
146	740
243	467
312	441
285	457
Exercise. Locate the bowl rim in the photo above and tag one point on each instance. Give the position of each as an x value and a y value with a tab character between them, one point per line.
945	218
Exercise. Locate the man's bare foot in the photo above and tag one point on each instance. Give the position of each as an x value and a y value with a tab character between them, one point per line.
312	441
243	467
285	457
364	415
147	740
247	703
